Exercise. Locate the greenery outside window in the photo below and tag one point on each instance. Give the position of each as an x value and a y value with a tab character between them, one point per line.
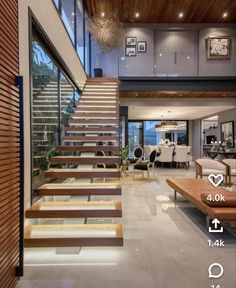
53	100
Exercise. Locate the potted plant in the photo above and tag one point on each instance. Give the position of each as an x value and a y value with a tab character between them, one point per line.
124	154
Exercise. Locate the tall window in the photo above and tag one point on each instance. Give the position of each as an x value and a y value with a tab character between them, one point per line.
56	3
87	48
53	101
135	132
68	17
80	30
153	137
74	18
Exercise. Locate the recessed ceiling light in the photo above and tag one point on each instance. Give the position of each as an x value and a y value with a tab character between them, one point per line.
225	14
188	57
160	54
73	14
102	14
137	14
181	15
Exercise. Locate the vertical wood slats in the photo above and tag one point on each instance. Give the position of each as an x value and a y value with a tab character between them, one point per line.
9	144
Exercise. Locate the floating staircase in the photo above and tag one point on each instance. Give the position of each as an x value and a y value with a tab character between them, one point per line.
93	128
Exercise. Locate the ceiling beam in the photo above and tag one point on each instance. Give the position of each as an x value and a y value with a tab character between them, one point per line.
177	83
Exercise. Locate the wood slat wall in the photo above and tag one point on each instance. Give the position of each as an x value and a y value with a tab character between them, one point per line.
9	144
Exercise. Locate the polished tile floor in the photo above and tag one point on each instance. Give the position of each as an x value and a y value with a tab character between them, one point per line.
165	246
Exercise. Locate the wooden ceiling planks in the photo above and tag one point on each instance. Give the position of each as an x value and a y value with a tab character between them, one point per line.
177	94
166	11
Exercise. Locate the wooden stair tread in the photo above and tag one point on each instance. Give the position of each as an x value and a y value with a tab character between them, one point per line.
108	121
75	209
93	104
90	138
67	170
92	114
75	205
102	79
82	173
81	148
72	235
86	159
79	188
80	185
91	129
96	109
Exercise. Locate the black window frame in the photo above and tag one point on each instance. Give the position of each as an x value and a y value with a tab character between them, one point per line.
59	11
35	28
142	121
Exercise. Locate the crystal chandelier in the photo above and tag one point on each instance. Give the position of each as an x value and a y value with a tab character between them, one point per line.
166	125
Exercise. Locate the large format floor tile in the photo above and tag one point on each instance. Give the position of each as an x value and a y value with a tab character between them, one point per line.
165	246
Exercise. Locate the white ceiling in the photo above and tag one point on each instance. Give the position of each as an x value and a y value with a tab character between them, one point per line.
177	112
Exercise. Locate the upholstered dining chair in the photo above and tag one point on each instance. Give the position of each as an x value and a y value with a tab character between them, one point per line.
181	155
146	165
166	155
138	154
206	166
231	168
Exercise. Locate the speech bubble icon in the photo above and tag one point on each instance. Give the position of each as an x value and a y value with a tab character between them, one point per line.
218	271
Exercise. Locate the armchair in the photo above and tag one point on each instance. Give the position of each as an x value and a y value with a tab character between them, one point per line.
231	168
205	167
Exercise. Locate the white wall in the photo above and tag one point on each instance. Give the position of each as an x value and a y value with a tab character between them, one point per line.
47	16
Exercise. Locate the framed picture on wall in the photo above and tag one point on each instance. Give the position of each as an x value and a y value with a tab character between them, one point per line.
142	46
130	41
130	51
219	48
227	134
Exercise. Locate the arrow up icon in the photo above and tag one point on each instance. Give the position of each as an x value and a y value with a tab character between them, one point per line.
216	224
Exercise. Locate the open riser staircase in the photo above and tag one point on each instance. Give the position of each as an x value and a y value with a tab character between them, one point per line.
86	173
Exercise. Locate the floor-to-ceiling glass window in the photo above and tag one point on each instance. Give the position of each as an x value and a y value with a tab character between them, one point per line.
44	108
56	3
67	102
178	134
68	17
87	48
135	132
53	100
151	136
75	20
80	30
